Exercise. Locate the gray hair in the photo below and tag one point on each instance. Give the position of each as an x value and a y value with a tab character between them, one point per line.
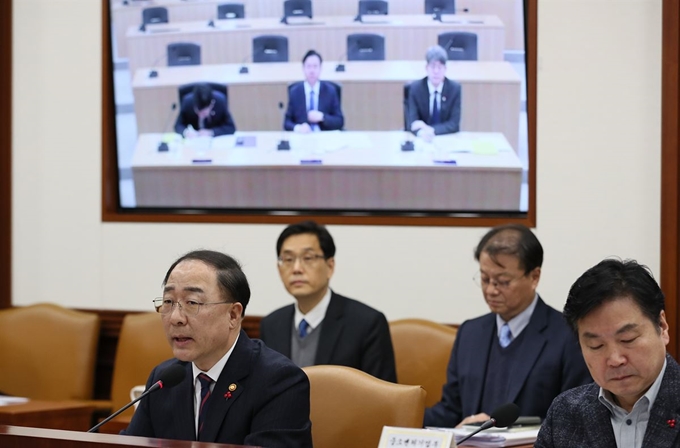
436	53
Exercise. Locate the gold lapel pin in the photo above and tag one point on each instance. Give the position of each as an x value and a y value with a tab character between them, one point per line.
232	387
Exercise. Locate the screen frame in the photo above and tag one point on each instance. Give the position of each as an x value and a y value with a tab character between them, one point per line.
112	212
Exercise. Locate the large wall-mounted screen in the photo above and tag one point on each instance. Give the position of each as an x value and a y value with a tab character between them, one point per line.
349	107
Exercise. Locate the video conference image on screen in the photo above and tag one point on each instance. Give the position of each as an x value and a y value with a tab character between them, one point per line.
352	106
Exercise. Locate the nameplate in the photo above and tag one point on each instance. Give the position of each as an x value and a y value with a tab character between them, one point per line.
393	436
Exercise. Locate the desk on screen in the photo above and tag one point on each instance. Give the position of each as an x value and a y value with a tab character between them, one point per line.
363	171
372	94
510	12
407	37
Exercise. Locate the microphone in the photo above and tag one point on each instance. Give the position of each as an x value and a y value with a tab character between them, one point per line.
244	68
170	377
162	146
153	73
283	145
504	415
341	67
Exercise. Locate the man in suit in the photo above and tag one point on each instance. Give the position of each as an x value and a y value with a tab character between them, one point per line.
204	113
313	105
434	101
324	327
236	390
522	352
616	309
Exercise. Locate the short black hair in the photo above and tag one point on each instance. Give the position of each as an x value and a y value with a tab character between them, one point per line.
322	234
203	96
613	279
515	240
312	53
230	277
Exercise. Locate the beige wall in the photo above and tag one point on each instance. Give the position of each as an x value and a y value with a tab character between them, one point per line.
598	176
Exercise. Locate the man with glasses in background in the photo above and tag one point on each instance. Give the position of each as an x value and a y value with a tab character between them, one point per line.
522	352
235	390
324	327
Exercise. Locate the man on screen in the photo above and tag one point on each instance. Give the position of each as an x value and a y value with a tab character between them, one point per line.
313	105
324	327
616	308
433	105
522	352
235	390
204	113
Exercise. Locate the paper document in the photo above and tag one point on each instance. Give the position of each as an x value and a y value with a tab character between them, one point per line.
494	439
7	400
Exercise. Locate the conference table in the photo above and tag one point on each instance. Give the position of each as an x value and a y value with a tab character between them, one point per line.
372	94
23	437
230	41
70	415
127	14
352	171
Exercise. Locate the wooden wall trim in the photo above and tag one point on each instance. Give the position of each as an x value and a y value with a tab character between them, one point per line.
6	154
670	169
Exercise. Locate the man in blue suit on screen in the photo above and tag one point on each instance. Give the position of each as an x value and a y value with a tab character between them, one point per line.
313	105
521	352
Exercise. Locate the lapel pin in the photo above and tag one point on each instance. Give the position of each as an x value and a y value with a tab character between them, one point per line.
232	387
671	423
443	98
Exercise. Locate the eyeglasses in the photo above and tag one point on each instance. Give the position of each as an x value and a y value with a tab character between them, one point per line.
484	282
189	307
307	260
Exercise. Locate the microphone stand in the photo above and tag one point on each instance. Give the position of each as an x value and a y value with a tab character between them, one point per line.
155	386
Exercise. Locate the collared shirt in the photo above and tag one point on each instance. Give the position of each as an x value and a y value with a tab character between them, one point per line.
214	374
432	89
518	323
316	315
629	428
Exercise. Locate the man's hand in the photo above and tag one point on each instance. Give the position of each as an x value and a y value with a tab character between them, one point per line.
474	419
426	133
302	128
190	132
314	116
416	125
206	133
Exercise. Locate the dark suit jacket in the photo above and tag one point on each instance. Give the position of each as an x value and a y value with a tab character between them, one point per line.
329	104
419	106
577	418
269	407
219	121
550	363
352	334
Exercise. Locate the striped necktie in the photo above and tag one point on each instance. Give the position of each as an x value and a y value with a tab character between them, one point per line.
205	381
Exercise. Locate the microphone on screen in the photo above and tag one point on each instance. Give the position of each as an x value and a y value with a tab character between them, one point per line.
504	415
283	145
163	146
170	377
153	73
341	66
